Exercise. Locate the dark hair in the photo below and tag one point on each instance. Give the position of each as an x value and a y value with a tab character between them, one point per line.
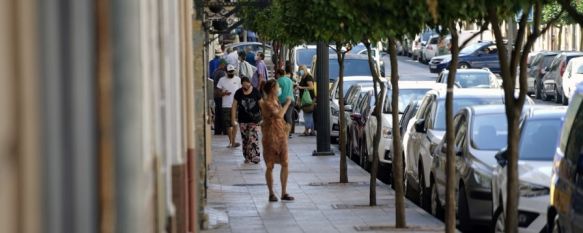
242	54
279	72
288	67
261	55
245	80
269	86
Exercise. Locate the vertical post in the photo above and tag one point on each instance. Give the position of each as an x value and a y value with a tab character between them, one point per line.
322	101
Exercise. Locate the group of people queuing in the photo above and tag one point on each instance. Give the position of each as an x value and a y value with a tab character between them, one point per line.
247	100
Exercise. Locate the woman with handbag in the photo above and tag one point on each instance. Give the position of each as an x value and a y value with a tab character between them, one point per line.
307	99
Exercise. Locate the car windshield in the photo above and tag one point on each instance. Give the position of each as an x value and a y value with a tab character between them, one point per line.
489	131
539	139
459	104
304	57
580	69
352	67
467	80
348	84
471	49
406	96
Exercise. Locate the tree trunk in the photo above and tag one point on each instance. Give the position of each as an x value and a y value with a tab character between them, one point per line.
450	193
377	113
341	117
400	219
581	37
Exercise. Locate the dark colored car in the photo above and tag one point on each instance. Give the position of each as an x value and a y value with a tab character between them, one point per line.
565	213
360	115
553	79
483	54
536	70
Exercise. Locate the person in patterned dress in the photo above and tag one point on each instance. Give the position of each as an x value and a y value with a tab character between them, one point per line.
275	136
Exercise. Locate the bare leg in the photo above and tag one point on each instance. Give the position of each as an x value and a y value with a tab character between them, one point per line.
283	178
231	133
269	178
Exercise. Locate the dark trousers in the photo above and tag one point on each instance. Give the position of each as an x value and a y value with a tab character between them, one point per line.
219	128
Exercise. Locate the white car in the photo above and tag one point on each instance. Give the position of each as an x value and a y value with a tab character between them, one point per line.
409	91
472	78
539	136
573	75
430	49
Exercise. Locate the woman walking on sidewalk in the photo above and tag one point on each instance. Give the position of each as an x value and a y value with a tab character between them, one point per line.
275	136
246	110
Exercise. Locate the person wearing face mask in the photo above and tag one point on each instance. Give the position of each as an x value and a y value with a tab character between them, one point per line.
287	91
260	75
275	138
246	110
226	88
307	84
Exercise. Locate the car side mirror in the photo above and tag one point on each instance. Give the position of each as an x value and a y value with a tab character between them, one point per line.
348	108
420	126
502	157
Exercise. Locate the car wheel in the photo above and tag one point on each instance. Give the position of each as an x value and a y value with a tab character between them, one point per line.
499	220
545	96
423	196
464	65
436	208
537	90
558	96
463	212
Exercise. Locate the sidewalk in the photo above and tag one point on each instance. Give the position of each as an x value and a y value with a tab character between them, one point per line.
238	193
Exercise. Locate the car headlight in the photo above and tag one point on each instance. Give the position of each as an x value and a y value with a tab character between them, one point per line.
334	112
482	177
387	132
533	190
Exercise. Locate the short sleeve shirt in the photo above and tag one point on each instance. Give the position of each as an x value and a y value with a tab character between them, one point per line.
248	110
304	83
231	85
286	86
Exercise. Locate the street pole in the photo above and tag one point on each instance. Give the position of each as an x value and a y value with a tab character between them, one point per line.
322	102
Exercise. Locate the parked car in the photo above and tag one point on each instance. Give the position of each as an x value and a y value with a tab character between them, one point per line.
419	42
437	46
565	212
480	132
536	71
471	78
360	115
552	81
354	65
539	135
429	129
572	76
483	54
351	99
334	96
408	91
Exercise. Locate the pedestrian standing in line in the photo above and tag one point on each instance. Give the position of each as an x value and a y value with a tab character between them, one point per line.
275	138
214	64
227	87
245	69
217	75
287	92
246	110
260	76
233	58
307	85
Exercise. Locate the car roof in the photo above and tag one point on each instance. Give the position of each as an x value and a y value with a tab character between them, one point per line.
546	112
486	109
245	44
350	56
469	93
577	60
462	71
572	53
419	85
358	78
306	47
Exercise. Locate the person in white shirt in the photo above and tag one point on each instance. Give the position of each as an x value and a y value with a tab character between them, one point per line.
245	69
226	87
232	57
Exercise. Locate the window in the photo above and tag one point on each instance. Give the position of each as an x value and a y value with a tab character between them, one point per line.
538	139
461	130
574	146
489	131
304	56
406	96
459	104
352	67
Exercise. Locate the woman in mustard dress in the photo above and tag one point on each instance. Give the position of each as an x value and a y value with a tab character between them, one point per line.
275	137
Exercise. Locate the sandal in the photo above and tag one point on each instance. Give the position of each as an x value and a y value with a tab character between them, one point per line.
272	198
287	197
236	145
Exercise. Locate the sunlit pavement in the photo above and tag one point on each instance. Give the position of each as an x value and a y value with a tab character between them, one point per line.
237	196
